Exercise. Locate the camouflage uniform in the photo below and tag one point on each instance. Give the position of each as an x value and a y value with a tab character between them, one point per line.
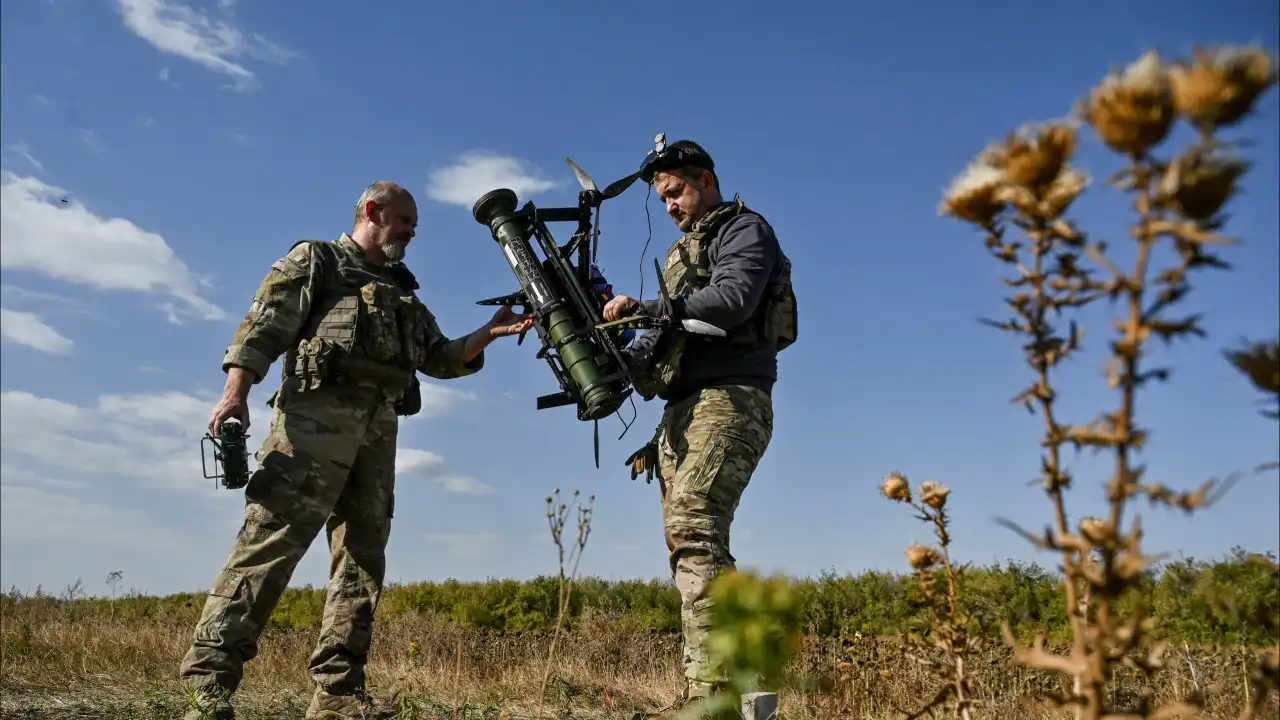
709	446
714	429
352	339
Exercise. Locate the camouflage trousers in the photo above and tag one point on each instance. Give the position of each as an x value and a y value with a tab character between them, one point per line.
328	461
709	447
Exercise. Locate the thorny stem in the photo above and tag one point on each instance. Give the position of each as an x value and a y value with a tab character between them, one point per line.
1129	347
954	639
958	681
1040	234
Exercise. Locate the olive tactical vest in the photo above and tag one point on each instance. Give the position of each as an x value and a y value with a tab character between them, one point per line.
688	268
363	328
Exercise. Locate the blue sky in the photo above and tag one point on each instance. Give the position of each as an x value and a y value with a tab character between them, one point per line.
195	143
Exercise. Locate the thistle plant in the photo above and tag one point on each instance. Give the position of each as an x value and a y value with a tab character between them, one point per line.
557	517
948	623
1027	183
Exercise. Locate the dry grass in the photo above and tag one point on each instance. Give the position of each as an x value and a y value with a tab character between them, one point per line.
57	663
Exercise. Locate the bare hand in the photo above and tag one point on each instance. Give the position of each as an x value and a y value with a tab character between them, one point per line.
618	306
231	405
508	322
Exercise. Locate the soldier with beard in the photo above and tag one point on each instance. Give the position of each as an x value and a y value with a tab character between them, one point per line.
353	335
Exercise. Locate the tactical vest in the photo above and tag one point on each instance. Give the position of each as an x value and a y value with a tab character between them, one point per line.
773	323
362	329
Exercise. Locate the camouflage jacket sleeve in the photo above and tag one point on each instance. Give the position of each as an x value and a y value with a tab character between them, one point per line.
280	306
444	355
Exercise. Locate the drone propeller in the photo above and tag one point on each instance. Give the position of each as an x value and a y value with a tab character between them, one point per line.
618	187
583	178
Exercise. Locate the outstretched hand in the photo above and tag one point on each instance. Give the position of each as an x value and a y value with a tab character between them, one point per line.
507	322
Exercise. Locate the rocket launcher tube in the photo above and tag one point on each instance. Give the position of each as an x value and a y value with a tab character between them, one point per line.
553	315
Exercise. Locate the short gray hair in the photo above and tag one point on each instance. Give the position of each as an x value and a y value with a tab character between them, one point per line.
379	192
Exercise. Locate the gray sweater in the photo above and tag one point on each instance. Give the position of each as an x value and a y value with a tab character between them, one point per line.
744	259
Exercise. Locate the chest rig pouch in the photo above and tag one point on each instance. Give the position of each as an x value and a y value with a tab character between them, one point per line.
363	328
688	268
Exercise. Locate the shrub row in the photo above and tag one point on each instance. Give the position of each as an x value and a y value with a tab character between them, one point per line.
1231	601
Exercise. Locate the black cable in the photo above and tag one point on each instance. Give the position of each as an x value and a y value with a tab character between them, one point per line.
645	250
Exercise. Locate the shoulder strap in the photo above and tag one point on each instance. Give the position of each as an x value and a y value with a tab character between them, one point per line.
323	253
320	249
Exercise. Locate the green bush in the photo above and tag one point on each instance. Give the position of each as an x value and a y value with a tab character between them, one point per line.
1194	601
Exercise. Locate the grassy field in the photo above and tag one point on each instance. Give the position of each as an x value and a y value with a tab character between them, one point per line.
435	652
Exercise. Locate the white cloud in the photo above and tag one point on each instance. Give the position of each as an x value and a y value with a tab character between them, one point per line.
20	149
11	475
28	329
166	79
411	461
476	173
44	300
152	440
67	241
464	484
438	399
91	141
424	463
30	514
174	28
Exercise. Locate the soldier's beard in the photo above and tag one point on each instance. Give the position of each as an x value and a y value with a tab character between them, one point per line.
393	250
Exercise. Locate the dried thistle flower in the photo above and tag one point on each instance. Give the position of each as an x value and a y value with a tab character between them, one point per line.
1220	87
895	487
1064	190
1260	363
1054	201
933	494
1132	112
973	195
921	557
1035	156
1199	183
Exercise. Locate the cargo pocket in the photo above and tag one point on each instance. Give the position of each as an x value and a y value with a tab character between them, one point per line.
218	610
312	365
381	323
706	466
